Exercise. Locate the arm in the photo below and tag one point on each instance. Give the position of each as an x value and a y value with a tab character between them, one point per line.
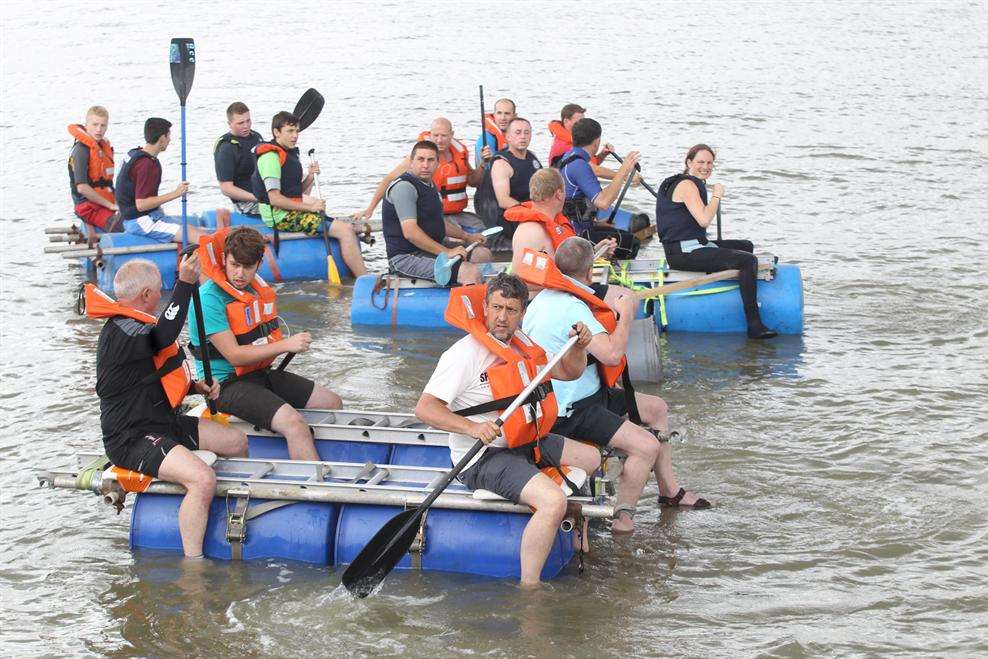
454	230
605	198
603	172
574	363
690	195
235	193
170	322
238	355
475	175
383	186
90	194
609	349
434	412
501	178
279	200
413	233
147	203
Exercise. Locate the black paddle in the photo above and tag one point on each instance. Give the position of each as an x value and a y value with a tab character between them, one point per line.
620	199
207	368
638	169
182	62
483	117
308	108
385	550
718	219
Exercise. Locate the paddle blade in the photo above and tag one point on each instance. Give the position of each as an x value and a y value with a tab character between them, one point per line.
218	417
308	108
182	60
384	551
442	270
332	273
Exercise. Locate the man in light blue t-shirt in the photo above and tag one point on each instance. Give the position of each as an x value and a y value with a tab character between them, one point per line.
592	412
266	397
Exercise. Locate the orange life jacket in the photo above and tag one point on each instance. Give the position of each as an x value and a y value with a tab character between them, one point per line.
170	366
558	228
520	361
252	314
100	174
491	127
451	177
563	142
539	269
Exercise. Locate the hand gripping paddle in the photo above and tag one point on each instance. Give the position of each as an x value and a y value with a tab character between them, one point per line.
442	270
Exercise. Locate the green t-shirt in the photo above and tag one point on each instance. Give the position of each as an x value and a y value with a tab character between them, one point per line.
214	301
269	167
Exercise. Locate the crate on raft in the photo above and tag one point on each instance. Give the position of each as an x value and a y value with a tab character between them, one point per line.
299	258
324	512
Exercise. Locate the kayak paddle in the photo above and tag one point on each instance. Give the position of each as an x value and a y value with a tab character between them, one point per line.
308	108
483	119
207	368
385	550
182	62
638	169
332	273
442	269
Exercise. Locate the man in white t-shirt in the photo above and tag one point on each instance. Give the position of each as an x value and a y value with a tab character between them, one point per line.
460	381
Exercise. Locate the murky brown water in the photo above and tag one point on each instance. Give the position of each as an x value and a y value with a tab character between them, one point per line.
848	466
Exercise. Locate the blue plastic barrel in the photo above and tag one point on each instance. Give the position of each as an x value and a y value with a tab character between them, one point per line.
420	456
167	261
415	307
780	302
482	543
622	219
329	450
302	531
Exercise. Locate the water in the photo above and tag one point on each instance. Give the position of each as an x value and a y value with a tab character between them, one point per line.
848	466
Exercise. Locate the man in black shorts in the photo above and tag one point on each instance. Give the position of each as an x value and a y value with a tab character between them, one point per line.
462	380
589	411
141	377
240	317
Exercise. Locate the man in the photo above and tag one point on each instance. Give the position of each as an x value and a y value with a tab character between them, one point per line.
542	227
507	183
592	410
452	176
142	377
233	156
280	189
415	229
137	189
240	317
494	126
468	374
584	196
91	171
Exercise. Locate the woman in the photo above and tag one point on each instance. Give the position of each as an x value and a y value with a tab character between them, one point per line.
682	215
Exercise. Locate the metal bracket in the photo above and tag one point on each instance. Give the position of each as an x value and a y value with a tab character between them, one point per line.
417	548
236	522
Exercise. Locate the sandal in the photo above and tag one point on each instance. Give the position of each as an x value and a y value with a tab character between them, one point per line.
675	502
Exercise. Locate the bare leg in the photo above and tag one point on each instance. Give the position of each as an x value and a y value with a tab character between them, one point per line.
578	454
288	422
655	414
343	232
324	399
481	254
468	274
222	440
540	532
182	467
642	451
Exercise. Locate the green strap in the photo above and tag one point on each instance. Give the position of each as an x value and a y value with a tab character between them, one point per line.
663	318
84	480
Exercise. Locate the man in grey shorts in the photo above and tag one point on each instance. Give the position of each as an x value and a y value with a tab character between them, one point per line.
415	229
462	380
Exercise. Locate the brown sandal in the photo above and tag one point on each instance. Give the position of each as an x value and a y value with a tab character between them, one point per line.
676	501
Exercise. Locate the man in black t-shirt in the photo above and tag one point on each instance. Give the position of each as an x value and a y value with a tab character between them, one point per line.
233	155
142	430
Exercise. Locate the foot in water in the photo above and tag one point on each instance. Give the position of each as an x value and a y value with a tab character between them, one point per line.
761	332
683	499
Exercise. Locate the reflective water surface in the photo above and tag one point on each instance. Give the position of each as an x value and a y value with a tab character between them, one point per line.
847	465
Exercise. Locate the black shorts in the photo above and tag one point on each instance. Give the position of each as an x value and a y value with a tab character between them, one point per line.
595	419
144	452
507	471
258	395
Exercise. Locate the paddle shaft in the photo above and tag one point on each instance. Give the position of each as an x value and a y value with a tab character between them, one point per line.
207	369
638	169
286	361
185	197
483	117
465	460
718	219
657	291
620	199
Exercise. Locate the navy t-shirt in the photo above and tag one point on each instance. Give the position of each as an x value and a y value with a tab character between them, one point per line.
234	159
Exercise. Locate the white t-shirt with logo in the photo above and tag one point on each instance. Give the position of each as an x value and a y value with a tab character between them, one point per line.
460	380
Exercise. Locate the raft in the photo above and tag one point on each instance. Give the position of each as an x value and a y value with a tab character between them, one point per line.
268	507
390	300
300	257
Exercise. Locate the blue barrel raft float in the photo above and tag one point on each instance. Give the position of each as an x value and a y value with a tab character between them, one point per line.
390	300
269	507
300	257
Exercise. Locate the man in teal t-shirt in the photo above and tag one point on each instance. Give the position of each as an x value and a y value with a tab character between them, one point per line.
263	396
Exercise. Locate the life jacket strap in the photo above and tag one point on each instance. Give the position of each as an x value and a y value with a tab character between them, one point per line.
538	394
172	363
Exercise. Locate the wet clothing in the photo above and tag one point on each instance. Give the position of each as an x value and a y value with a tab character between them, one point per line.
687	247
257	396
145	453
409	197
507	471
130	406
233	158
